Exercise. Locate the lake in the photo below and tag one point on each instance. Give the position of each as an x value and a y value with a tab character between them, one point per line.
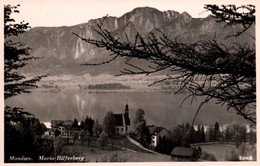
161	108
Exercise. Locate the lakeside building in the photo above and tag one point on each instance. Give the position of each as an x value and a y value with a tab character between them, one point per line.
156	133
122	122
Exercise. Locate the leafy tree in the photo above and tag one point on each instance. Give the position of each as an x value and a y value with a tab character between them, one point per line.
211	134
228	72
143	134
252	137
75	135
97	129
141	129
198	132
109	124
202	135
165	146
89	122
217	132
182	136
139	117
238	133
103	139
75	124
84	137
192	133
187	126
82	125
227	134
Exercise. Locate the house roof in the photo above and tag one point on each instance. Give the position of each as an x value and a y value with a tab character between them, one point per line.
158	130
120	121
56	122
183	151
61	123
153	130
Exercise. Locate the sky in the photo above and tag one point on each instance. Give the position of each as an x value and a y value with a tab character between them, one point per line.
49	13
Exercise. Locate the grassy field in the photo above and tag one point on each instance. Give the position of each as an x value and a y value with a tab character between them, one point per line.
225	152
128	156
121	151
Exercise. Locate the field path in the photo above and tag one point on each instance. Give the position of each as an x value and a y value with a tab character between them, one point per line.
120	147
140	146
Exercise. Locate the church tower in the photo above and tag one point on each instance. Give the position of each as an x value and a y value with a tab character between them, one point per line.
126	110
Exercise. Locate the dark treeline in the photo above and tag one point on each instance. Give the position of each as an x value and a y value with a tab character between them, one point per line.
23	136
105	86
184	135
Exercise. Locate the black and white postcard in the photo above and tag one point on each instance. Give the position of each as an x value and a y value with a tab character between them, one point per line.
129	81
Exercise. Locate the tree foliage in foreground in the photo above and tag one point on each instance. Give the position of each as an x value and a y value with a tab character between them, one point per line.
242	15
22	136
228	72
22	130
16	56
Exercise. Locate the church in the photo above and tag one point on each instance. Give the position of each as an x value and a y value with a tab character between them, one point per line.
122	122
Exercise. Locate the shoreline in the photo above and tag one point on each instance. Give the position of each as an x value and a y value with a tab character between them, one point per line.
107	90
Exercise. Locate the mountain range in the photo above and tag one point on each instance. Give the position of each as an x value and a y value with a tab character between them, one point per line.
62	52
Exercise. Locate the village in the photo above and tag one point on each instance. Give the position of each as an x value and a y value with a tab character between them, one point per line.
119	132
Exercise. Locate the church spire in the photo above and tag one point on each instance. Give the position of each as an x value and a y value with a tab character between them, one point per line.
126	109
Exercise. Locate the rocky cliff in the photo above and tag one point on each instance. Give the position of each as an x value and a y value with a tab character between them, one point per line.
62	52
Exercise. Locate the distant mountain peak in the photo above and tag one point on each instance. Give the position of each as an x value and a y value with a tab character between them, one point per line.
170	14
186	17
63	52
145	9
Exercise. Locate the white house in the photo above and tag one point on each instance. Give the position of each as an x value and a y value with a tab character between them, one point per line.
156	133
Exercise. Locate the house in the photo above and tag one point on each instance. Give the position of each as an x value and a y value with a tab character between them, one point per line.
157	133
63	126
184	154
122	122
49	132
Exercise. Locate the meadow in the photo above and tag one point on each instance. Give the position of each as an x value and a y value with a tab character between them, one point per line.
229	152
121	150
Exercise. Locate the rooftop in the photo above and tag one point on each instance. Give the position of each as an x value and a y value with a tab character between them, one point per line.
183	151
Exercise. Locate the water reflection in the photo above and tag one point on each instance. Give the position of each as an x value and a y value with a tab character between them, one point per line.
161	108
